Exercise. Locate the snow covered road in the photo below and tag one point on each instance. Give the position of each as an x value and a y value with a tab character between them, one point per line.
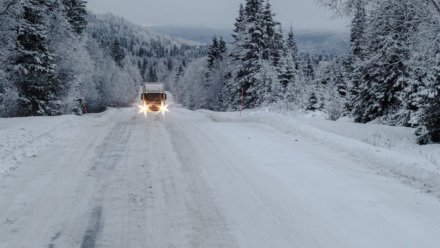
119	180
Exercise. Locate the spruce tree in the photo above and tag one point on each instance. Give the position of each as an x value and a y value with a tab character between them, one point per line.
309	68
287	66
76	14
152	76
34	73
248	75
230	91
313	104
213	52
292	47
221	48
117	53
385	73
428	100
358	25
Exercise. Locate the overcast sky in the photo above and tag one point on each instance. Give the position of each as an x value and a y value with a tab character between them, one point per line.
302	14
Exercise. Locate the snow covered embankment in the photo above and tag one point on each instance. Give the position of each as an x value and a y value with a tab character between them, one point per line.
21	138
388	150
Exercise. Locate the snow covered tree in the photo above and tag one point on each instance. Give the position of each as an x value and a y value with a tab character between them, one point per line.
358	25
385	73
117	53
212	52
287	74
216	51
292	47
272	35
76	14
313	103
248	75
152	76
257	39
8	92
34	73
427	102
308	68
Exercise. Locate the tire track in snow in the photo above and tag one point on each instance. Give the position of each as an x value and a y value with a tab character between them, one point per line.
93	230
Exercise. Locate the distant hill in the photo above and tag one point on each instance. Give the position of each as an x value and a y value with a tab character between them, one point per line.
199	34
115	26
311	42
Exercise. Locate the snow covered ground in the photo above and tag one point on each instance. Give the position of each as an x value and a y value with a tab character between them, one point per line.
205	179
389	150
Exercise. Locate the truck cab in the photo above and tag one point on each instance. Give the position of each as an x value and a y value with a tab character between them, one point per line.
154	97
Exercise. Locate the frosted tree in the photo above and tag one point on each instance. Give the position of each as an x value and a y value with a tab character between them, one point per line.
230	92
308	68
8	91
313	103
152	75
76	13
34	71
427	103
385	73
117	53
292	47
216	51
248	76
272	35
358	25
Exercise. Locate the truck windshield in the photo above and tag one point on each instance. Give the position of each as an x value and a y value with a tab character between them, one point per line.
153	97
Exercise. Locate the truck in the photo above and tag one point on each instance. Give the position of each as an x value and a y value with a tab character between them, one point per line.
154	97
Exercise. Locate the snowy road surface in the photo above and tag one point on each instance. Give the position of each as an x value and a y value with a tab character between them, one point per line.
119	180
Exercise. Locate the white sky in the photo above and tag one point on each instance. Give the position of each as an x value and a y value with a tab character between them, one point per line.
302	14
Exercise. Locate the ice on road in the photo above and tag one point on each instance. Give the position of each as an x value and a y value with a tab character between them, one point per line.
120	180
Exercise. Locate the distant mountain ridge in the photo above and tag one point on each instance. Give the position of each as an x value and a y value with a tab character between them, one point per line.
116	24
314	42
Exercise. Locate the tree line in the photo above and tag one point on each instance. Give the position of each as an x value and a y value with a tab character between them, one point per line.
56	58
390	75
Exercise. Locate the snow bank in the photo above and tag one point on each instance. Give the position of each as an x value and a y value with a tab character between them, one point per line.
388	150
22	138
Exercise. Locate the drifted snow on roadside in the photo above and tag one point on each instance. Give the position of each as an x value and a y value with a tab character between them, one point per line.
388	150
24	138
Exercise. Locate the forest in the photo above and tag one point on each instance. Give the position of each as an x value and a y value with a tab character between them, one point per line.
391	75
58	58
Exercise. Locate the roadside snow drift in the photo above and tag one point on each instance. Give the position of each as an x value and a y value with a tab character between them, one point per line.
389	150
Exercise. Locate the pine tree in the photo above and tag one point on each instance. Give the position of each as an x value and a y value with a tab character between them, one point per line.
309	68
288	72
313	104
143	68
76	14
385	73
231	89
34	74
213	52
292	47
240	25
428	100
269	31
222	49
251	62
117	53
152	76
358	46
358	25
